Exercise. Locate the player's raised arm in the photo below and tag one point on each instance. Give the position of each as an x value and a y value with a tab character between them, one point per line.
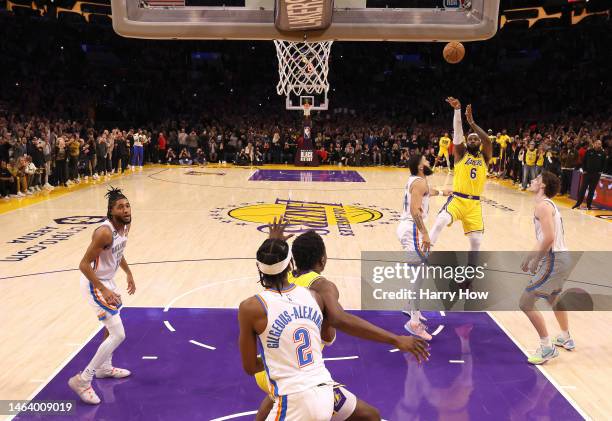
102	238
356	326
458	145
487	146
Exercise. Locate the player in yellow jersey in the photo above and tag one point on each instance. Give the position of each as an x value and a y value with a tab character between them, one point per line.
443	152
469	179
310	258
529	164
504	140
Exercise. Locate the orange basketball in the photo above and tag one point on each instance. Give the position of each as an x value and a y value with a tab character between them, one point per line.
454	52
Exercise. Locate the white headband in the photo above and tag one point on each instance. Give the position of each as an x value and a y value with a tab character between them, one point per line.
276	268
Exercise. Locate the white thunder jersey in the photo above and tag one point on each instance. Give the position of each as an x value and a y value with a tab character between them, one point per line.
406	216
559	244
107	263
291	342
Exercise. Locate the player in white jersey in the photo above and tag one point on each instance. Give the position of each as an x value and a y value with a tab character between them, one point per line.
98	266
310	258
551	264
286	320
412	232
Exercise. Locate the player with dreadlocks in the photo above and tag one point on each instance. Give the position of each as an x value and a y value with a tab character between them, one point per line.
98	266
287	322
310	258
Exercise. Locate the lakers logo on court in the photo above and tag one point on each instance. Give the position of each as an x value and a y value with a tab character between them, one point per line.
303	216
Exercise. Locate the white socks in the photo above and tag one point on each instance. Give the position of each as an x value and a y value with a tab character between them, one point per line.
475	240
545	342
105	351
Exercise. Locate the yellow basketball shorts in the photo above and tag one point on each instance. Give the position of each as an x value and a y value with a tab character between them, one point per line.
468	211
443	152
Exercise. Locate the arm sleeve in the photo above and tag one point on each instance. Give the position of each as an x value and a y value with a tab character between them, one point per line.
457	128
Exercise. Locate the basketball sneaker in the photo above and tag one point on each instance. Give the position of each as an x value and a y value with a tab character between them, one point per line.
114	372
567	343
543	354
84	390
417	328
407	313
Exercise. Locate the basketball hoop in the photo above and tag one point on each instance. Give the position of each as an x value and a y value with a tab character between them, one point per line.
302	67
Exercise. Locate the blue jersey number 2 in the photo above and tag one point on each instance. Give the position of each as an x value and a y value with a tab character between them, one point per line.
301	336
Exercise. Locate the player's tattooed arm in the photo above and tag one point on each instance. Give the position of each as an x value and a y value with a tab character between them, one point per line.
487	145
417	191
101	238
250	314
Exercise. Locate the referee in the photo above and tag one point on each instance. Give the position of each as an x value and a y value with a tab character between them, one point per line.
593	164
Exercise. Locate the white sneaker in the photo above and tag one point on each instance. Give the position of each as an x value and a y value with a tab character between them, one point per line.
20	194
417	329
28	193
84	390
48	186
114	372
69	183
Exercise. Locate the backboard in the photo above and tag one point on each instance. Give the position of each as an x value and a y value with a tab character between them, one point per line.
352	20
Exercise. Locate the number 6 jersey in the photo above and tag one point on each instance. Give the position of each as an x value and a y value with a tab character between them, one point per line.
291	343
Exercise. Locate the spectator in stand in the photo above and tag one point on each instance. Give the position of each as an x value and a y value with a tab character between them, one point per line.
91	157
161	148
200	157
552	162
213	154
243	158
540	160
123	152
185	157
322	154
38	159
530	159
8	187
569	162
74	150
60	156
171	157
593	165
376	155
101	152
138	150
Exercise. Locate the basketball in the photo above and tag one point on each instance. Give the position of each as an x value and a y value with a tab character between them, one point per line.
454	52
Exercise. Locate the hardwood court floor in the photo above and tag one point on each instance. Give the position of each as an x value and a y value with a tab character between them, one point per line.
192	242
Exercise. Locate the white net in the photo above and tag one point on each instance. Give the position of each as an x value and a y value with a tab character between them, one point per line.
302	67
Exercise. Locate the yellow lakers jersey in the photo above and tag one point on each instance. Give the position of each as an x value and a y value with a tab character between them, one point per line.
530	157
304	280
540	162
470	175
444	142
503	141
